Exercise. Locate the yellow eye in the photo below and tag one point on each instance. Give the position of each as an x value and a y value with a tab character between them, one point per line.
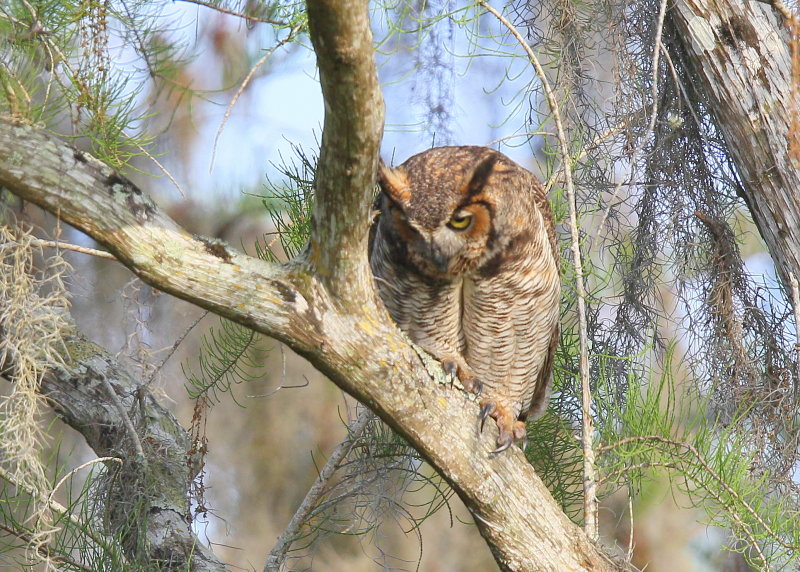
460	221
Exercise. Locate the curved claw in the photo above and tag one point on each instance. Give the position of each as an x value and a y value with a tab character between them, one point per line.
505	442
525	442
450	368
486	410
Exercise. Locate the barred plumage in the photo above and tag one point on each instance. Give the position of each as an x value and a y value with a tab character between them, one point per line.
465	259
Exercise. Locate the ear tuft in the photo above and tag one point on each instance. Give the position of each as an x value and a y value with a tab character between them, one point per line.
476	179
394	182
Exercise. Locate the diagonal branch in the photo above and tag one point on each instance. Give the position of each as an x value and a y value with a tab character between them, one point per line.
91	196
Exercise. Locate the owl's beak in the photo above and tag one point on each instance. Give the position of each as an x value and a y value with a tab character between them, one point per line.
441	261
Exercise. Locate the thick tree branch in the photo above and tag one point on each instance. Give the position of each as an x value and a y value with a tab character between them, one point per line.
153	480
90	196
740	54
345	177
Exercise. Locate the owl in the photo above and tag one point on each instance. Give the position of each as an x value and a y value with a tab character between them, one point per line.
464	254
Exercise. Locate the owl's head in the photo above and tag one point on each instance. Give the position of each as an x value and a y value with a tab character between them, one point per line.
438	207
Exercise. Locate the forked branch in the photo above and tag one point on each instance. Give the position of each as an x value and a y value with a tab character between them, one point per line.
324	307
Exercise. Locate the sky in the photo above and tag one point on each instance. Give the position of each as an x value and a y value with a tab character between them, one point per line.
284	107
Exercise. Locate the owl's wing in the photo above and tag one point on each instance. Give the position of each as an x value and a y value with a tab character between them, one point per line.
544	381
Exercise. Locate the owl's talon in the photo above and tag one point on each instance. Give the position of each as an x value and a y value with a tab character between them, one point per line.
504	442
511	430
486	410
450	369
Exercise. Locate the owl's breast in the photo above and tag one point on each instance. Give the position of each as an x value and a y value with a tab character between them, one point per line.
507	321
427	310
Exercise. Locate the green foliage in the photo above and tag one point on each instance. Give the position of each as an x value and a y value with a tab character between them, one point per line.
556	454
68	536
658	430
74	61
649	427
230	354
61	61
289	204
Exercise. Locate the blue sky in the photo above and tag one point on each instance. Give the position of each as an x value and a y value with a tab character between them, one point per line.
285	107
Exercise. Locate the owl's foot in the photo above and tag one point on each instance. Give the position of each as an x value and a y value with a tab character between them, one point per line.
511	430
468	380
472	384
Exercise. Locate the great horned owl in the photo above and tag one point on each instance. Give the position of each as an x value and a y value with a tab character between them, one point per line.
465	259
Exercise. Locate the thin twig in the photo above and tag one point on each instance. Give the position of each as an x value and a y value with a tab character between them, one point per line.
79	468
589	472
67	246
174	348
717	497
126	421
629	555
161	167
599	138
682	88
305	383
614	475
526	134
278	553
738	519
242	15
261	61
282	380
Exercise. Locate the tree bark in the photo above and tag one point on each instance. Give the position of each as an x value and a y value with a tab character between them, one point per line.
351	137
94	394
324	306
740	54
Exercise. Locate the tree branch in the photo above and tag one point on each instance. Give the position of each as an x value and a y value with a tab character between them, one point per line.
348	161
95	199
741	57
154	479
243	15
